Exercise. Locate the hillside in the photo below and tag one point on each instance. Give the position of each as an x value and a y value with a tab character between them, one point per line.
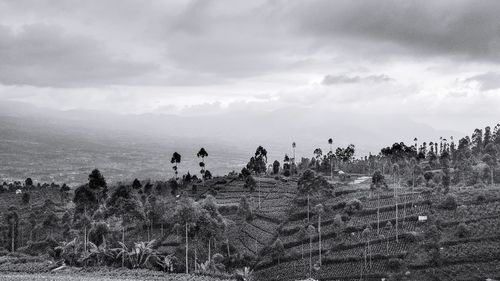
468	254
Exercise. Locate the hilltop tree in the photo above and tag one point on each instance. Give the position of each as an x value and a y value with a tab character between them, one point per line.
28	182
175	160
330	156
97	183
287	166
136	184
258	164
294	145
317	154
202	153
276	167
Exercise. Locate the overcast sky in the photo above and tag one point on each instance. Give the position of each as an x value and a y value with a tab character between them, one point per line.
437	62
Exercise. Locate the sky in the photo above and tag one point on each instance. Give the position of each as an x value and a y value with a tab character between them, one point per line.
434	62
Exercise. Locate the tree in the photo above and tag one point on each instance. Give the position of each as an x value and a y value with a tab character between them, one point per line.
126	205
319	209
378	181
294	145
97	183
51	221
366	235
317	154
211	224
64	191
175	160
276	167
330	156
26	198
28	182
11	217
136	184
244	209
85	201
277	249
258	164
310	232
186	214
202	153
308	183
301	236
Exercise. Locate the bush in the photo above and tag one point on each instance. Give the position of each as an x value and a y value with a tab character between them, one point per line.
449	203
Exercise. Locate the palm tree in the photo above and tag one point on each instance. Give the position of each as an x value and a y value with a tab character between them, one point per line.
202	153
319	210
176	159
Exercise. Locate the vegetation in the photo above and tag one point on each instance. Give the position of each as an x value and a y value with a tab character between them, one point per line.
429	209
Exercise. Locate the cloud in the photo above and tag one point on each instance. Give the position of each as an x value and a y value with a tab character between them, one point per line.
354	79
486	81
47	56
462	28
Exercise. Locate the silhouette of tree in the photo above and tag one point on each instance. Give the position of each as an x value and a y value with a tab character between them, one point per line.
28	182
175	160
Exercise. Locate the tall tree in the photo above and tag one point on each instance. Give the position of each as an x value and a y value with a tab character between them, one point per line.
258	164
294	145
319	209
330	156
310	232
28	182
175	160
202	153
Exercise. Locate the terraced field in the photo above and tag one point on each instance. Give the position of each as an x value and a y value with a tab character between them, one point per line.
348	253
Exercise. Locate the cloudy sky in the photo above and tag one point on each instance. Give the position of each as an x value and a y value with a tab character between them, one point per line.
436	62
